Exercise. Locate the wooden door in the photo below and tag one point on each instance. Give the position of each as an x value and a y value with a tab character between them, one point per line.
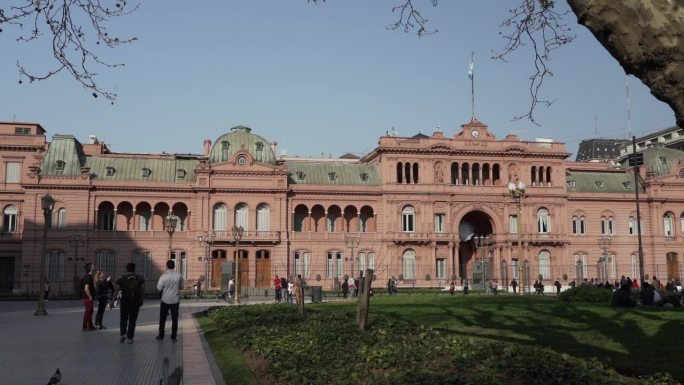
672	266
244	269
218	257
262	278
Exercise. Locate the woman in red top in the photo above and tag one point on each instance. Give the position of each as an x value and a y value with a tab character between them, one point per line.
276	283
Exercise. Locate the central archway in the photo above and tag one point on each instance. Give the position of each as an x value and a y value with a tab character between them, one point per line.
474	223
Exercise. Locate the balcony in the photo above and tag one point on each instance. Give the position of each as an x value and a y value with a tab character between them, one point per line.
10	237
248	236
325	236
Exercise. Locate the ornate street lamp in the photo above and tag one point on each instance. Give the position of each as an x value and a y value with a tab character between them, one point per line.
76	240
352	242
207	240
170	222
237	235
604	243
517	191
47	204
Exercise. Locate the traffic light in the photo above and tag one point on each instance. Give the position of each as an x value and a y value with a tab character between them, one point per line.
636	159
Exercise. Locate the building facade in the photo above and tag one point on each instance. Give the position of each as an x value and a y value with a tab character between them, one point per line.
423	209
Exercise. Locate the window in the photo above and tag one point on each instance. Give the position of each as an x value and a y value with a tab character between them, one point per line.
299	221
627	185
408	219
144	224
61	218
182	266
572	184
363	222
632	226
366	261
334	267
543	221
581	267
220	216
330	220
263	217
607	226
635	266
364	177
545	264
259	152
409	265
515	267
599	184
106	220
612	268
301	176
332	176
242	216
225	146
104	261
440	268
579	226
143	263
146	172
54	265
513	224
9	219
110	171
12	172
22	131
439	223
681	223
668	224
59	166
302	262
181	173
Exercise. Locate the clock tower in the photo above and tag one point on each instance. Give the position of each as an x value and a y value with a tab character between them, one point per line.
475	131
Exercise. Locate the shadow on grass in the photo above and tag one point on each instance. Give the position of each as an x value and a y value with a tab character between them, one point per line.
633	341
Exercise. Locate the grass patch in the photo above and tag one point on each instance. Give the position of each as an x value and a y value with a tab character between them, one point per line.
233	368
460	340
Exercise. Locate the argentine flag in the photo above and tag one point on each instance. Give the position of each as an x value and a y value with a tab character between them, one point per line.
470	68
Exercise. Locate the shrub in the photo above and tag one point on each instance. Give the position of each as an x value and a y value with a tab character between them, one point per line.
587	294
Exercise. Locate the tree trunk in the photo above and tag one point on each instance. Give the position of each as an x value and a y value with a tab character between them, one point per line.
300	305
646	38
364	301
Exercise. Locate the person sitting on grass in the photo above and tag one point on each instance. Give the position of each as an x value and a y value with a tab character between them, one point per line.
622	297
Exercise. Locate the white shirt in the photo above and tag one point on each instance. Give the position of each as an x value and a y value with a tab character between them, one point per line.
170	284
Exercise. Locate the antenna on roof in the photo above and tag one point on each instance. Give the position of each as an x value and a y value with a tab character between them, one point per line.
596	125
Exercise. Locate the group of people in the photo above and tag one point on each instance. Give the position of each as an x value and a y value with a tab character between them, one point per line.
350	285
284	289
131	292
392	286
652	294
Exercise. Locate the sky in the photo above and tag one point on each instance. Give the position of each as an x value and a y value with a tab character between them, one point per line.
321	79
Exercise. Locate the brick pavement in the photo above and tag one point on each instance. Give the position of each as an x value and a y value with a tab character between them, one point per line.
33	347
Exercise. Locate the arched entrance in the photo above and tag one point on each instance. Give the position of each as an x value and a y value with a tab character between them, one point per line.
475	223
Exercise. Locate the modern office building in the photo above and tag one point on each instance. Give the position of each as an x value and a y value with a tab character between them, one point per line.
424	209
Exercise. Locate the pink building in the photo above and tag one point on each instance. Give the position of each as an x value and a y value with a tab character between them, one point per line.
424	209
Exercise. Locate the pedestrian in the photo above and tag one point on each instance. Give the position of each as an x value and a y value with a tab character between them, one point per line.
298	287
278	289
101	293
46	288
290	290
285	291
198	290
452	288
558	286
345	288
352	286
132	291
88	297
230	291
514	285
169	285
465	286
110	289
389	286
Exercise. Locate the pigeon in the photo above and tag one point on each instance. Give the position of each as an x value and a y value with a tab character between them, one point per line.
56	378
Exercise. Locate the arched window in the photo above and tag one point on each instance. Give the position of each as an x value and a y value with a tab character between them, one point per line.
263	217
409	265
581	267
220	211
476	174
668	224
145	217
242	216
104	261
61	218
302	263
612	267
465	170
54	265
259	151
9	219
543	221
225	147
533	175
548	176
545	264
407	172
415	173
635	266
607	226
408	219
400	170
454	173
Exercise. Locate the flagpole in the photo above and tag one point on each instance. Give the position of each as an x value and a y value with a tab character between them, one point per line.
472	83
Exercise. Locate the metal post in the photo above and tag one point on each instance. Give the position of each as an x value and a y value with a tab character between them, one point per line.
237	235
517	191
47	203
636	192
604	242
170	222
207	240
351	241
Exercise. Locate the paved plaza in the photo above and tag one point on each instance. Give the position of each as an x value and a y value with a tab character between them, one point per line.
34	347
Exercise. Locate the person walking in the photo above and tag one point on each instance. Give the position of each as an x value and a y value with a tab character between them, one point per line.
465	286
277	285
285	290
46	288
230	291
198	290
88	297
101	293
558	286
514	285
169	285
132	288
298	287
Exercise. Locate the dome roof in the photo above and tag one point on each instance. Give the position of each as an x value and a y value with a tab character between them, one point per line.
240	138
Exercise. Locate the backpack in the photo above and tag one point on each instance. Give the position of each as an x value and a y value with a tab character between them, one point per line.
133	291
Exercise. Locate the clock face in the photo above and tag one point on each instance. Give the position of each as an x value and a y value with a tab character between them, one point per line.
476	133
242	160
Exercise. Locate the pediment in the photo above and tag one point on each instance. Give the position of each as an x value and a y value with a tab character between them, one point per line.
515	148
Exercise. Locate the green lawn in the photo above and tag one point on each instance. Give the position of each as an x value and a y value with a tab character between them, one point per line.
630	341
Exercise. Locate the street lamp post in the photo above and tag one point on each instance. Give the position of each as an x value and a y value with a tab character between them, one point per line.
517	191
47	204
76	240
483	243
352	242
604	242
170	222
237	235
207	240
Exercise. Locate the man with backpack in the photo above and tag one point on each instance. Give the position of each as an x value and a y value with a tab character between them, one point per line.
132	293
170	285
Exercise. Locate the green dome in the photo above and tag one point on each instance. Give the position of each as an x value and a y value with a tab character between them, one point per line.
240	138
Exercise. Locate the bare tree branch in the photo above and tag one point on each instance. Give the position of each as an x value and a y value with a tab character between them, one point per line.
537	23
411	18
73	26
